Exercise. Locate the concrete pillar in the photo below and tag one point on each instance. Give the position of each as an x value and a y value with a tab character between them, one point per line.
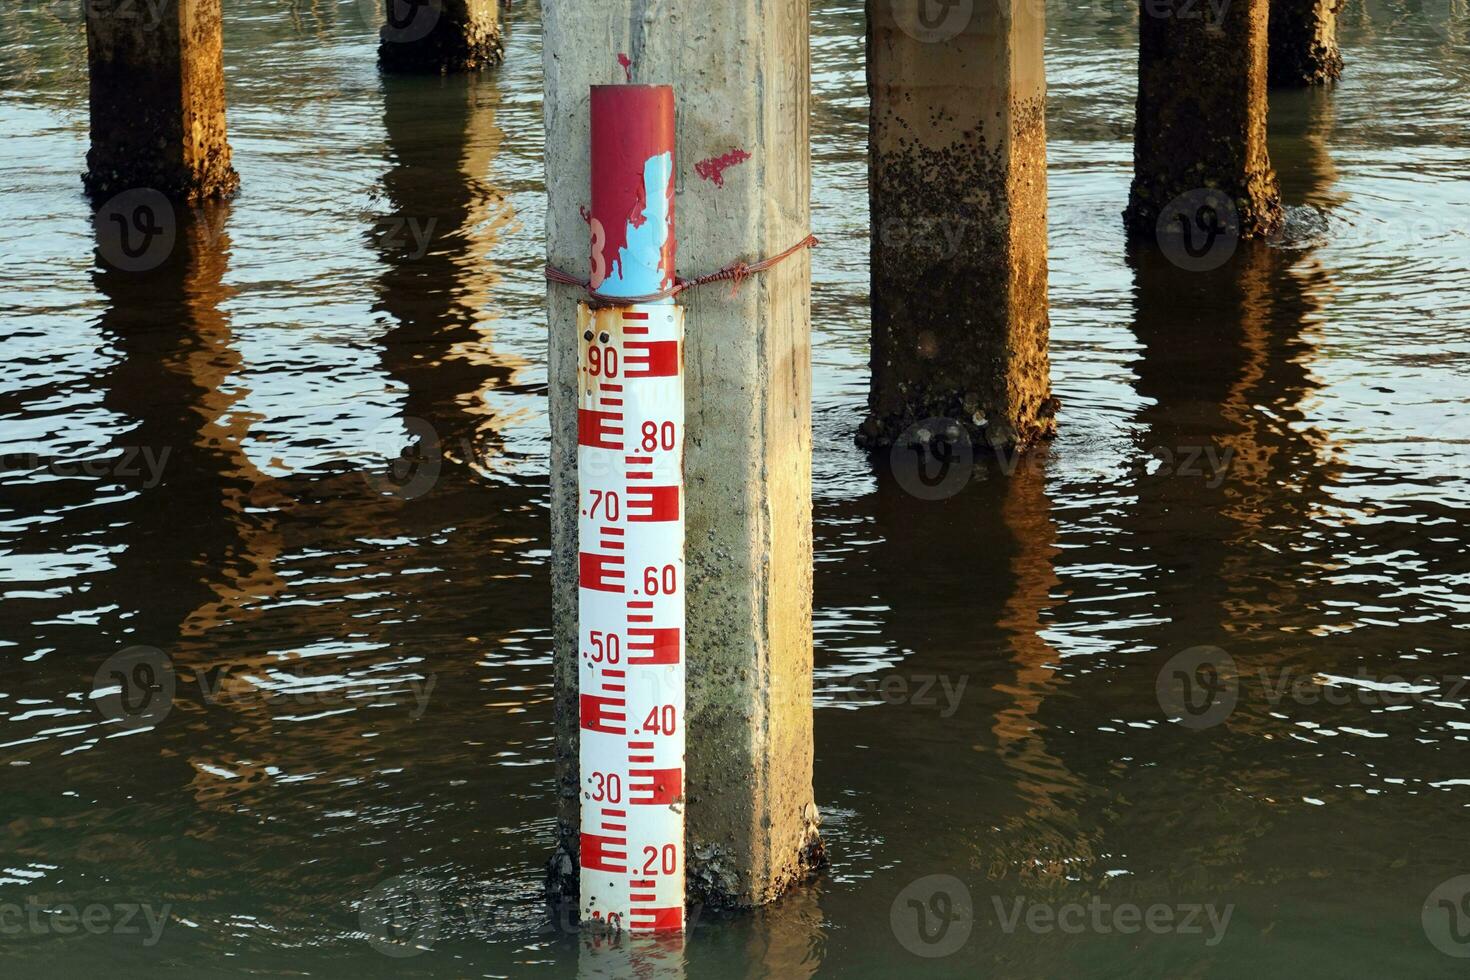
740	71
440	36
1303	46
1201	121
957	157
158	99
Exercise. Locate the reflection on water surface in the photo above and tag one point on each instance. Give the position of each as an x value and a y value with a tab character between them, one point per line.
1268	461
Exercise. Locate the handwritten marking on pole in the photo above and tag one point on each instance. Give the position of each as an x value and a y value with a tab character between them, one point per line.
627	66
714	168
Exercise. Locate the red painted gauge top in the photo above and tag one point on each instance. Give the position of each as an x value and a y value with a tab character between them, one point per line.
632	212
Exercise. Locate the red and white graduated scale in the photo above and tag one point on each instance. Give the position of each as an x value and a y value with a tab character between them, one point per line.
630	453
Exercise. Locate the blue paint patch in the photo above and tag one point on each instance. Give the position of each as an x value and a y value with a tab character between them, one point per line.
638	269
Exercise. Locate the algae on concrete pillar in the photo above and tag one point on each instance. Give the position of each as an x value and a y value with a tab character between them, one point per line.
157	99
1200	128
740	71
957	163
440	36
1303	48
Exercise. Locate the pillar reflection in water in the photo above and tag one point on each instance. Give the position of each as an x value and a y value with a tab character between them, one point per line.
215	509
935	683
640	957
185	520
205	529
1220	507
163	344
1046	839
438	285
1232	466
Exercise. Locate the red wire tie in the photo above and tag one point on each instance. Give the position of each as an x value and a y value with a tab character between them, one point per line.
736	274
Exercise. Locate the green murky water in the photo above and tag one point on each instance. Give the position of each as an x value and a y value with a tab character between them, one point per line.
1268	461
